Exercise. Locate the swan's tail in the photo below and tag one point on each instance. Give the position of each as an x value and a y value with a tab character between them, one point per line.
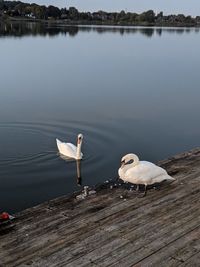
169	178
58	142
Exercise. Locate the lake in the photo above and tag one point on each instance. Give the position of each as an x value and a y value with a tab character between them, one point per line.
129	89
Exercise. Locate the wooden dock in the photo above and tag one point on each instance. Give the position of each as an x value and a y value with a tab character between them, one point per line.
113	227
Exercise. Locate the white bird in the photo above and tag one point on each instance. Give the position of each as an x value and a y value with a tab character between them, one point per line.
141	172
69	150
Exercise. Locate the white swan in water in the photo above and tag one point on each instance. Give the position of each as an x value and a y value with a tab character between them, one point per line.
69	150
141	172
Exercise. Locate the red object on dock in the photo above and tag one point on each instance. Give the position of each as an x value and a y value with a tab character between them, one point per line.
4	216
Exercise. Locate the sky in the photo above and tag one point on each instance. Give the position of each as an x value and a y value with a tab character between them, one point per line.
187	7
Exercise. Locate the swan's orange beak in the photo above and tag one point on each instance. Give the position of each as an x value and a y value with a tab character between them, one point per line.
79	140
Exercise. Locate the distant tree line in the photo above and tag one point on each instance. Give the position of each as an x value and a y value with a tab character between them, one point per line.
10	9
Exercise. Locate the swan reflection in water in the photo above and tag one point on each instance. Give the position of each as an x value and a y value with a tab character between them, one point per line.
78	168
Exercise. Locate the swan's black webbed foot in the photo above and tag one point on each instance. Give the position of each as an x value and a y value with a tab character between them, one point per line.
127	186
157	186
118	179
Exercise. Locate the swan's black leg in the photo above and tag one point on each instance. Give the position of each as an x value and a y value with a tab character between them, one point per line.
145	192
118	179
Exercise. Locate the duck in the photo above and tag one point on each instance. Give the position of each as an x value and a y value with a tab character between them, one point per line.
70	150
138	172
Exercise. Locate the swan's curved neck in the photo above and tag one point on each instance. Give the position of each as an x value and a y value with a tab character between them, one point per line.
135	160
78	152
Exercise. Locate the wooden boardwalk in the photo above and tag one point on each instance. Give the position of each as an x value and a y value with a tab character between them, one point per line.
104	229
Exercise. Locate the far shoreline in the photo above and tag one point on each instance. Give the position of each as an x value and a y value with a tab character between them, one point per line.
17	10
62	22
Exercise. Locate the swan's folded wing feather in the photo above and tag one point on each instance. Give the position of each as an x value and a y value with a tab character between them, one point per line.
66	149
73	147
145	172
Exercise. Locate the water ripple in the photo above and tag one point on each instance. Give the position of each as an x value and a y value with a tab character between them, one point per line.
96	139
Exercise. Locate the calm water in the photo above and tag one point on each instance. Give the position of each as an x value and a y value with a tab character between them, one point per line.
126	89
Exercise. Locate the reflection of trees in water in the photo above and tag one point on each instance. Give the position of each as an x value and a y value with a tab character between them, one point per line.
20	29
31	28
177	30
147	31
159	31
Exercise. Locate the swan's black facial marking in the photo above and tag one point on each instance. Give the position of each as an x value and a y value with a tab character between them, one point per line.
79	139
122	163
130	161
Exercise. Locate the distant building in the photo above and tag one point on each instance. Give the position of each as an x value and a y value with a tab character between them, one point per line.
31	15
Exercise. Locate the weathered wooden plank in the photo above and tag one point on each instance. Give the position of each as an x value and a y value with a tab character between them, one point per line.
97	240
137	258
192	261
137	245
150	240
29	245
90	243
108	252
187	246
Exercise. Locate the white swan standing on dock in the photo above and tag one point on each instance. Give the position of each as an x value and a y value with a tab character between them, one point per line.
69	150
141	172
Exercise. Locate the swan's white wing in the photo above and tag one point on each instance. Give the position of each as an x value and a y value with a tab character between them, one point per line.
66	149
73	147
146	173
